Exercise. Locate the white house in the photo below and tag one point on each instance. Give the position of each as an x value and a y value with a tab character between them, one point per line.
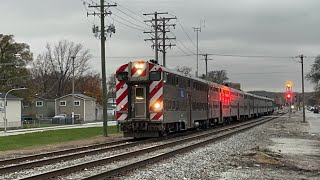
13	109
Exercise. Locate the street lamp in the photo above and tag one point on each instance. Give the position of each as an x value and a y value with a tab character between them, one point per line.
5	106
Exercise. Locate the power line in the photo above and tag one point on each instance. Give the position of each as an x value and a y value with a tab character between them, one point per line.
183	44
251	56
119	5
145	56
142	22
186	54
279	72
128	21
185	47
127	24
187	34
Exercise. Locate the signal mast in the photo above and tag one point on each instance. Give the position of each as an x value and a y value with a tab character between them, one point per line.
289	95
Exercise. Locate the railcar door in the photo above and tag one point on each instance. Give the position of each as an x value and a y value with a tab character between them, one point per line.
238	112
189	107
220	112
139	102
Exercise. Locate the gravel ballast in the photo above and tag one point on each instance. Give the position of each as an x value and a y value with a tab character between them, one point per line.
234	157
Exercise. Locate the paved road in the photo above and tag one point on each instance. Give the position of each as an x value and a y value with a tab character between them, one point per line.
31	130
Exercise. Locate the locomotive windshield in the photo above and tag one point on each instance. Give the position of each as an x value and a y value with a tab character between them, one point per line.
155	76
122	76
139	93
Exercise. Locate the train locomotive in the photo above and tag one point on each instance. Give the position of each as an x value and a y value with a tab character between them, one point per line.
152	100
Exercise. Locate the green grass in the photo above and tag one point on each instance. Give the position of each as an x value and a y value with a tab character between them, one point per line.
51	137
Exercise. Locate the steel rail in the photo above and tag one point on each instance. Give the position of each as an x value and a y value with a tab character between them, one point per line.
67	170
57	153
74	153
170	154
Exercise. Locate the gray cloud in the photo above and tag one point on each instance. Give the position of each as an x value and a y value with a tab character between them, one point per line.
247	27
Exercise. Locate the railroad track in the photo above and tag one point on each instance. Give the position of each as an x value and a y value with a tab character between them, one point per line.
199	139
18	160
31	161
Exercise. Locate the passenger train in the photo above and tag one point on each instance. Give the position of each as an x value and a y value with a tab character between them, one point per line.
152	100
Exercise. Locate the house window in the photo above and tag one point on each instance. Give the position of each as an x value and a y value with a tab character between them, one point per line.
39	103
63	103
76	103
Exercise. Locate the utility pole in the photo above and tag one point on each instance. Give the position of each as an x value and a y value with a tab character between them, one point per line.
160	26
302	78
164	38
197	29
206	60
72	115
102	7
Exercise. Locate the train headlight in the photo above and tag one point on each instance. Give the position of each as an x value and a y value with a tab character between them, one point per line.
139	65
139	71
157	105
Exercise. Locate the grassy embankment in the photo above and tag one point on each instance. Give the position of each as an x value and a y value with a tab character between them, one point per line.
51	137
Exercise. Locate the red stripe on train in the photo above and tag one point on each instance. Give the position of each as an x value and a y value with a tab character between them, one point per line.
150	66
160	99
122	68
121	83
157	116
122	96
133	71
124	107
155	89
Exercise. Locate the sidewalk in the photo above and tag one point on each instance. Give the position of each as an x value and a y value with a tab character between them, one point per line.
314	122
32	130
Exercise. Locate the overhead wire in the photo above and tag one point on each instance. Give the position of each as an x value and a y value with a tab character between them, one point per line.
119	5
280	72
126	24
187	35
250	56
142	22
178	41
128	21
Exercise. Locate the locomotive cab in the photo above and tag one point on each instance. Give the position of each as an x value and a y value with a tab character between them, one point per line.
140	105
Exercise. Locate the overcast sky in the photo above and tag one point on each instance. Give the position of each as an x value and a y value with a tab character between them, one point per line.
243	27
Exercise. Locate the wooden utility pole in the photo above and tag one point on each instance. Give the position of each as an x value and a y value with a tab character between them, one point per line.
102	7
206	60
160	26
302	78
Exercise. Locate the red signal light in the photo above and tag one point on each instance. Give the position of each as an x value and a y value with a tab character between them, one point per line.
288	96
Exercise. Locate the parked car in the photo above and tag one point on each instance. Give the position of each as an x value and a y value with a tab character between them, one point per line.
28	120
59	119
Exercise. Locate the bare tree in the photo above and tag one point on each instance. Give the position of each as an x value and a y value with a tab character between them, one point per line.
184	69
216	76
56	64
111	84
43	75
314	74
